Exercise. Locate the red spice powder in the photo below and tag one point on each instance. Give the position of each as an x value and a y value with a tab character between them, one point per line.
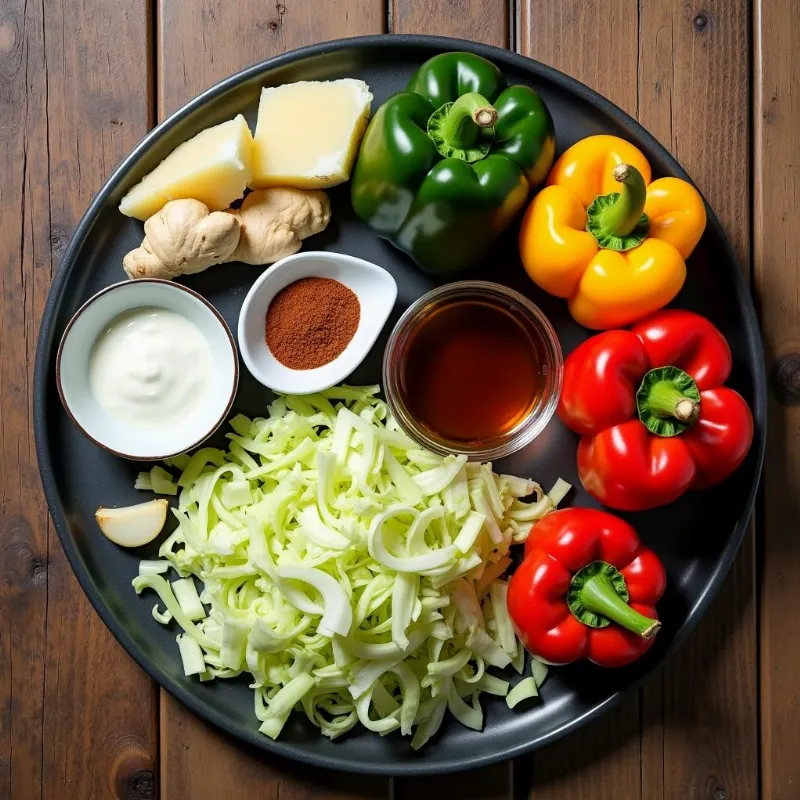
311	321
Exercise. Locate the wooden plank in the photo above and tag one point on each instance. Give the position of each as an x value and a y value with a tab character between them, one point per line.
198	762
200	42
479	20
777	275
23	516
595	42
74	101
693	95
601	760
488	783
484	21
574	36
100	708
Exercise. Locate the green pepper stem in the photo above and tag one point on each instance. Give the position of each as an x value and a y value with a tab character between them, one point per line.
599	596
666	401
468	115
622	216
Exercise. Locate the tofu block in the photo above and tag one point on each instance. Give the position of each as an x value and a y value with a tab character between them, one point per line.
308	133
214	167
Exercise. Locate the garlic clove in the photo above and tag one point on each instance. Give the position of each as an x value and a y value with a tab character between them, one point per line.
133	526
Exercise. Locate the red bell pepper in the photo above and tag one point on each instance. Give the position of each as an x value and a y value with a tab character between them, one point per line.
586	589
654	416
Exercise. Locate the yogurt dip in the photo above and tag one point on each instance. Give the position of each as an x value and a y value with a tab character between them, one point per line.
150	366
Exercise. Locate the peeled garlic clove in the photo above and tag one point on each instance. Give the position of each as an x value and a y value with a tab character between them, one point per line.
133	526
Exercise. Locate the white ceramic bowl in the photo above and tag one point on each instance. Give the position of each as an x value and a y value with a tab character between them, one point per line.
376	292
135	442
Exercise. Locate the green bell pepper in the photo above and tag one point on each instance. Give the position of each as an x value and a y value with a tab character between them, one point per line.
445	166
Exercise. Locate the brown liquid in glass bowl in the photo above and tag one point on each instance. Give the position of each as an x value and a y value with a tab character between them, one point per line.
471	371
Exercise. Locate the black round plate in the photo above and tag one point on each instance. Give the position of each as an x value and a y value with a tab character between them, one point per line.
697	537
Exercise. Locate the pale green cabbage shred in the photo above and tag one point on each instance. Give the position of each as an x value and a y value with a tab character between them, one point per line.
352	574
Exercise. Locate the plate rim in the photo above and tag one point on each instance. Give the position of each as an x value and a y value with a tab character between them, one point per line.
41	380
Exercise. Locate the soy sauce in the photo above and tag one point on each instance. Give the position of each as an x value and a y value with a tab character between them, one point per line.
471	372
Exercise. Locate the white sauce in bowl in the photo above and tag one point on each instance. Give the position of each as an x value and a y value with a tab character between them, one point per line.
150	366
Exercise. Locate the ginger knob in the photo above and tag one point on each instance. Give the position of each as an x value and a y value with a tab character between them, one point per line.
181	239
275	222
184	237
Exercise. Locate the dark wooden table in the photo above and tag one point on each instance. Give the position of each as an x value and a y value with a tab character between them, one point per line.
82	81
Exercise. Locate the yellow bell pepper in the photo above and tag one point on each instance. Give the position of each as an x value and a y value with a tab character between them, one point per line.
607	239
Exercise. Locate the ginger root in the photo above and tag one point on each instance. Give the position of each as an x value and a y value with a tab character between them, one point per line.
181	239
275	222
184	237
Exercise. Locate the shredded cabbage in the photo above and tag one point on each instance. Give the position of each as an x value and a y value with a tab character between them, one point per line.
354	576
528	687
158	480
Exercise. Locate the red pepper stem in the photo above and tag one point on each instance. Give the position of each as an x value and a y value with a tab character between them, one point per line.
599	596
666	400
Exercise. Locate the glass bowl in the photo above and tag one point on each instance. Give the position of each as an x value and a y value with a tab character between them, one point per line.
548	355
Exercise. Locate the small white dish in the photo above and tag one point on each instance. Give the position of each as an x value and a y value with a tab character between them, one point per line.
376	292
139	442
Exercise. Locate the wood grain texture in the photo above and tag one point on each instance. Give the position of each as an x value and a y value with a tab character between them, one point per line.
488	783
574	36
100	708
594	41
601	761
693	95
74	100
198	762
776	266
24	276
480	20
200	43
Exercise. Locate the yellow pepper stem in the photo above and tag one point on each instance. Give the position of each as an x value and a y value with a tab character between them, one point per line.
616	220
